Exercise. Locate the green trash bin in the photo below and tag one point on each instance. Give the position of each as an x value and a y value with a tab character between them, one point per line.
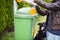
24	22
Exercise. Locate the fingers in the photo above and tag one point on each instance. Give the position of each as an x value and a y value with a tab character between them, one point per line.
35	1
28	1
32	3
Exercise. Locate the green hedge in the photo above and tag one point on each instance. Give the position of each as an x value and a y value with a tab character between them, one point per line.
6	14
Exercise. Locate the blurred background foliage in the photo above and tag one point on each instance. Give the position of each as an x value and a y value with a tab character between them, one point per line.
6	14
23	4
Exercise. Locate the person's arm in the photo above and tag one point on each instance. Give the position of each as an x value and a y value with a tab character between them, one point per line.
43	13
49	6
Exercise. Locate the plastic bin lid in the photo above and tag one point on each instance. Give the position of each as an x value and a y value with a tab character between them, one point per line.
27	11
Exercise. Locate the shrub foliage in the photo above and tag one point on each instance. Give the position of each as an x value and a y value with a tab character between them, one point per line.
6	14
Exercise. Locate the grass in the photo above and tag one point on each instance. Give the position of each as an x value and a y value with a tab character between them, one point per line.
39	20
7	36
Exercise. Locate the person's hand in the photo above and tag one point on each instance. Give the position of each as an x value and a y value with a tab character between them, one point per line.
30	2
35	1
33	4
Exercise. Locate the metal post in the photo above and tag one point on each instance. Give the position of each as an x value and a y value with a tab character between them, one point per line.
15	6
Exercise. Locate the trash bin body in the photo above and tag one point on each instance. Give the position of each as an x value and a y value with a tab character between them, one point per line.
24	23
